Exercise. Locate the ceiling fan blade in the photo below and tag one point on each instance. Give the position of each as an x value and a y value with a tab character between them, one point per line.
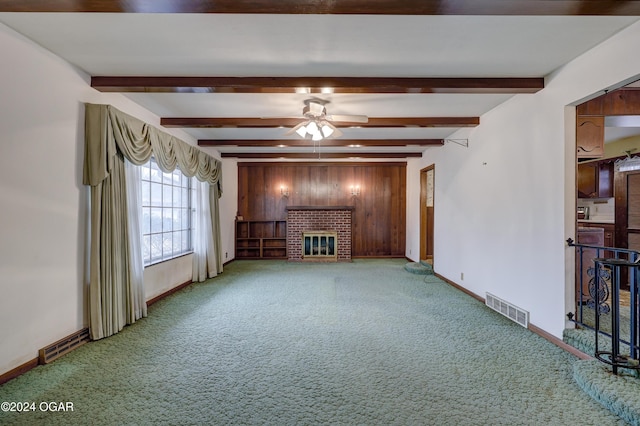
348	118
295	128
282	117
336	132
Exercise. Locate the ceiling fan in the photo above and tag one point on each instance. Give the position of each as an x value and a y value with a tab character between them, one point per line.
318	124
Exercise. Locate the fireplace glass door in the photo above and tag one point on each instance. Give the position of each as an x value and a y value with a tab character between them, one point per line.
320	245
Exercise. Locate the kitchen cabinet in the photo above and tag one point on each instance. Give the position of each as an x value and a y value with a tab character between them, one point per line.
593	236
595	179
609	231
590	136
608	235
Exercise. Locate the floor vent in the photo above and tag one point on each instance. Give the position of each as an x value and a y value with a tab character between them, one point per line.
63	346
508	310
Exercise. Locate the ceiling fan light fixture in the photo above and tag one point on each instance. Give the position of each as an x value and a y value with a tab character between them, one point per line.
312	128
302	131
318	125
327	130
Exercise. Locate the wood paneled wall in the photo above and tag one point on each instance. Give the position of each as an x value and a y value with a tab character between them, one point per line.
379	216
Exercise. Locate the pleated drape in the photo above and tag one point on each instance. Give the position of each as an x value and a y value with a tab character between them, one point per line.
133	176
110	137
207	259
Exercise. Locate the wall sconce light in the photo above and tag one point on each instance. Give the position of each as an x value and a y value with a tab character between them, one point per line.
284	191
355	190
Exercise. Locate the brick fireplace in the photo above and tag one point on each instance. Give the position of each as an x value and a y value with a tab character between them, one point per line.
302	219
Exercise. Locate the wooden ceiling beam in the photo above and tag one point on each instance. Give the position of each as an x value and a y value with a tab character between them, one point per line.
320	155
283	143
348	7
316	85
225	122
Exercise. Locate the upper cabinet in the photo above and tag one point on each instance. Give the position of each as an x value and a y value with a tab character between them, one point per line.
590	136
595	179
590	119
590	129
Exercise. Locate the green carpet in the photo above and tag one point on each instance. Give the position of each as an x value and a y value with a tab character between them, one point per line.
419	268
619	393
271	342
584	340
589	318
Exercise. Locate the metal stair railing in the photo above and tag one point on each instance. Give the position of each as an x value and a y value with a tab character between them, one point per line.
606	271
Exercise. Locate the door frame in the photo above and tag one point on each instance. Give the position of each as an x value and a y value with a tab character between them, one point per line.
427	207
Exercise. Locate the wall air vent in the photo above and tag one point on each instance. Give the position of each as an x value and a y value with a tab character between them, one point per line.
507	309
63	346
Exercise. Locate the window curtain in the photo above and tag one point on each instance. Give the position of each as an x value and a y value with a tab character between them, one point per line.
207	261
111	137
134	207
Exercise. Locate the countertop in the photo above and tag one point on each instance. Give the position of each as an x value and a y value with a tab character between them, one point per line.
590	230
608	221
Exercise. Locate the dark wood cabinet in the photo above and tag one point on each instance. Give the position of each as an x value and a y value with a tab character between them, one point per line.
605	179
261	239
609	232
593	235
590	136
595	179
587	180
609	235
609	239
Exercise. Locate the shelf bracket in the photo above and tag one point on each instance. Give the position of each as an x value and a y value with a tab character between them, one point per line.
461	142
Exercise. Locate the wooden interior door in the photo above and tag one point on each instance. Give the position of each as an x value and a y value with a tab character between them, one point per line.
633	211
427	185
627	208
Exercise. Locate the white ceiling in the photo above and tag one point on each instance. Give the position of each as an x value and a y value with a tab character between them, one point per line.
104	44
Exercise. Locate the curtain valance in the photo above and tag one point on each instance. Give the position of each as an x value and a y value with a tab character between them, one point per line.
109	130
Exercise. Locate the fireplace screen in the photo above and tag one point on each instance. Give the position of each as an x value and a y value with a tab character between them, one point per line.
319	245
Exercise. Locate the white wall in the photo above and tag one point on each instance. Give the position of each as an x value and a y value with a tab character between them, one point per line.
413	208
42	199
504	206
162	277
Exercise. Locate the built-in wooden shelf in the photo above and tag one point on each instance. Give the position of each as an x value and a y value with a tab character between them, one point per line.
261	239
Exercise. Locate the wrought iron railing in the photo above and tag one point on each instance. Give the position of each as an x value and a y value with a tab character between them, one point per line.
600	309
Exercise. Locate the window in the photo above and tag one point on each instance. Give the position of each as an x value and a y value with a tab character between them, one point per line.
166	214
